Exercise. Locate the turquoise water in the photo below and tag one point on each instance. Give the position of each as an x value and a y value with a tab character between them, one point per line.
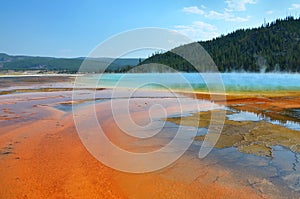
196	81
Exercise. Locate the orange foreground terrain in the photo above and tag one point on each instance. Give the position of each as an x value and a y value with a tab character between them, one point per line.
46	159
42	156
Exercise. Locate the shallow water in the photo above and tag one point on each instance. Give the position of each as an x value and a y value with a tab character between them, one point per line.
249	116
182	81
276	175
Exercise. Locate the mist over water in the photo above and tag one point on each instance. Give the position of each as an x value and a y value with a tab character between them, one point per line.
238	82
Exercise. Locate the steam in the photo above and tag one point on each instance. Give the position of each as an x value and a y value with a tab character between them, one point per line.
262	63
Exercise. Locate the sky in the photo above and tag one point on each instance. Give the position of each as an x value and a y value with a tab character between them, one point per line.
73	28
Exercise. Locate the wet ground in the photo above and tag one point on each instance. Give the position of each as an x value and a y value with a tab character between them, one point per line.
258	148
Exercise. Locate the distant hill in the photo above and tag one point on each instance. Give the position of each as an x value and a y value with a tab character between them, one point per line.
271	47
63	65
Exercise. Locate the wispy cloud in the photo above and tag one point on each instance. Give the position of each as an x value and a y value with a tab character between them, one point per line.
269	12
295	6
198	30
226	16
238	5
193	10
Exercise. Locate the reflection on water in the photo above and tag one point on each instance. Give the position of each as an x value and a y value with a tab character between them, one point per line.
244	116
249	116
283	168
276	175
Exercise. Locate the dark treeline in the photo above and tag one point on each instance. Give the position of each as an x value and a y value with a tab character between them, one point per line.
273	47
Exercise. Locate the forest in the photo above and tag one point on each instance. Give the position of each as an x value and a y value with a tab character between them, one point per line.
273	47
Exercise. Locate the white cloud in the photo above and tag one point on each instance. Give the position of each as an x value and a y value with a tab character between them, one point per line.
225	16
295	6
238	5
198	30
193	10
269	12
215	15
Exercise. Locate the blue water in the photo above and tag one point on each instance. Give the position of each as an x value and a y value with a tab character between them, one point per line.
196	81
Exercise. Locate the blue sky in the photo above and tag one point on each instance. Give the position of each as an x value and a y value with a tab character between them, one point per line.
66	28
